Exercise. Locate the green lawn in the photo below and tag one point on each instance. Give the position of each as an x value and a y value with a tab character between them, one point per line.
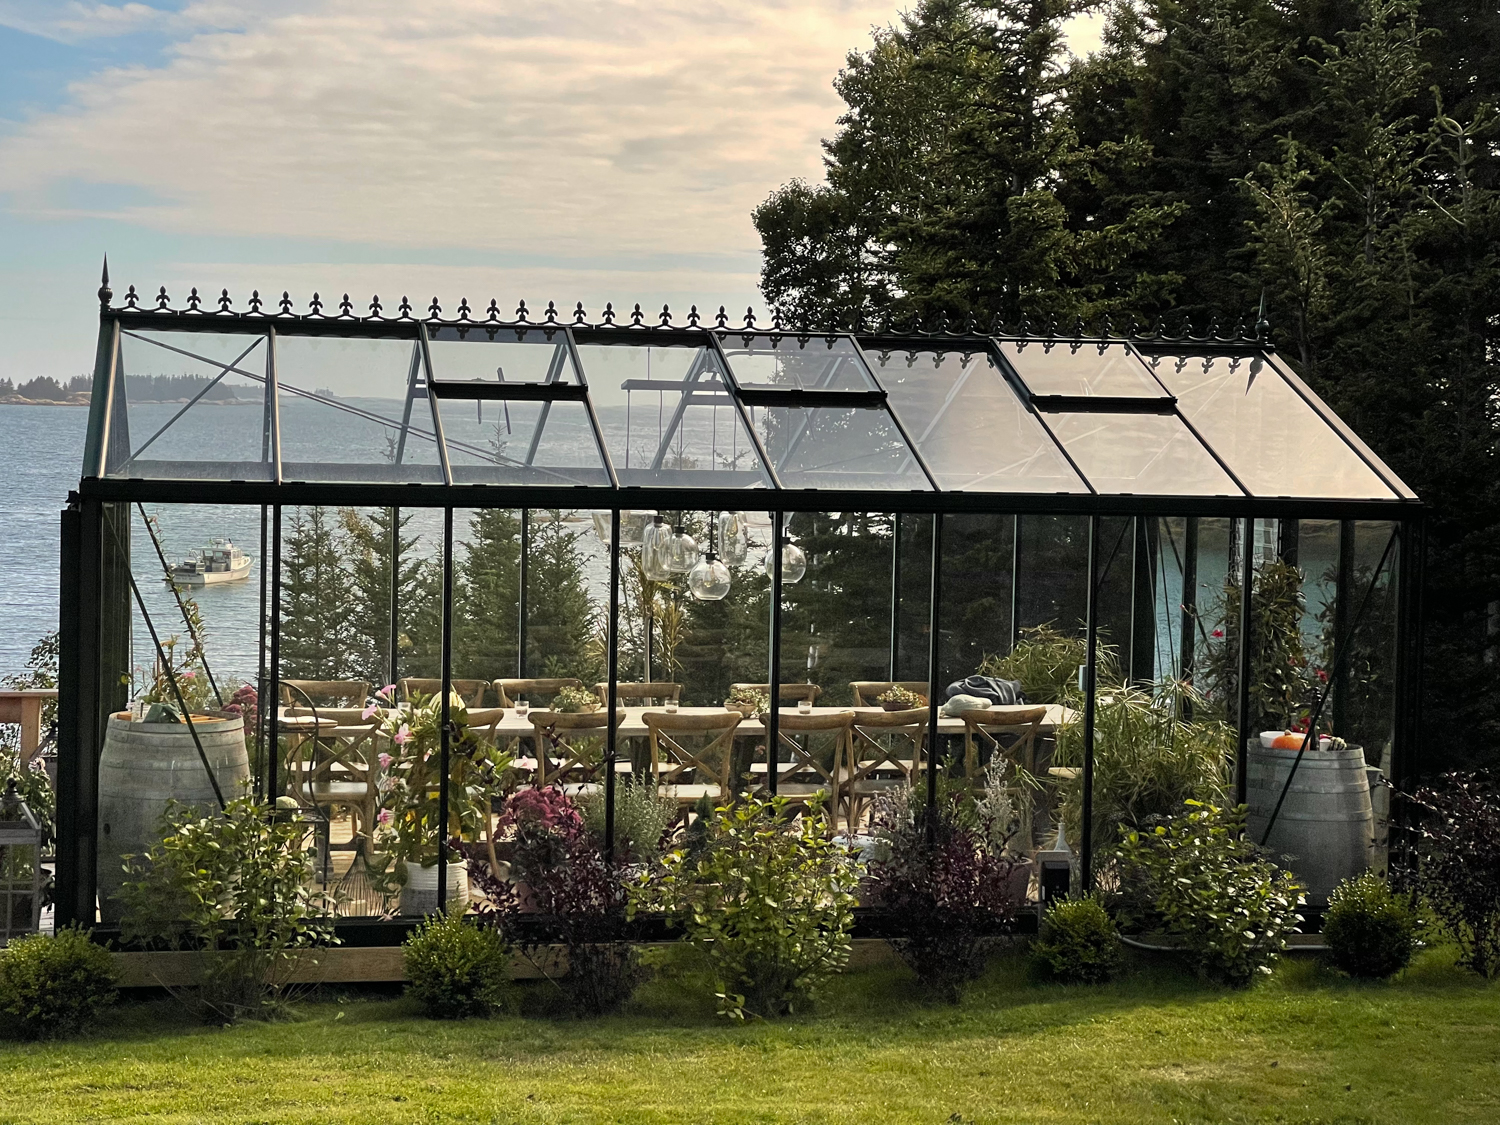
1304	1046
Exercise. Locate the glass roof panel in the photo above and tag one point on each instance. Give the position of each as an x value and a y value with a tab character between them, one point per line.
521	443
969	424
489	353
354	410
1263	429
1068	367
824	363
194	407
1140	455
837	447
667	417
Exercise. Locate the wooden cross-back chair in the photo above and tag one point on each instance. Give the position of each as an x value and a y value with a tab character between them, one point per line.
868	692
886	751
340	700
806	773
640	694
790	693
984	725
566	754
337	769
696	746
533	691
470	691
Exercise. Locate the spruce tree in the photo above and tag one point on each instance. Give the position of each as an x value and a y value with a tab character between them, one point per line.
368	546
315	600
486	597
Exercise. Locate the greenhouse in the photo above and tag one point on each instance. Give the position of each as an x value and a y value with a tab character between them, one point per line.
388	567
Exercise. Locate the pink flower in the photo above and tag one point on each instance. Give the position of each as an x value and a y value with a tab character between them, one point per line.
383	817
1218	632
387	692
369	711
384	760
403	736
190	675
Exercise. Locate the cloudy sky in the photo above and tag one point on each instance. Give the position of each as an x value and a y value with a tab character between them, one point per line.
585	151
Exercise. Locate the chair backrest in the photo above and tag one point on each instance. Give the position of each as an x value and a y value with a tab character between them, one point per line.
511	690
789	692
804	755
868	692
470	691
562	742
888	740
1023	722
330	693
698	744
347	752
639	694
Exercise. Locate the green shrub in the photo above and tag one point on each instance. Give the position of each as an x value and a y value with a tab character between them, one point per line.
456	969
768	900
1203	881
54	985
1369	931
642	816
1046	662
1078	943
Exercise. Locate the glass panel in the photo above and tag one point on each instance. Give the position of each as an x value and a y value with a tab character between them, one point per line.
667	417
194	407
837	447
1140	454
491	354
1275	443
824	363
1067	367
969	425
521	443
354	410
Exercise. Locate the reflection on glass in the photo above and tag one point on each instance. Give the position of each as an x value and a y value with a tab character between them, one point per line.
823	363
1069	367
193	407
1140	454
491	354
837	447
970	426
355	410
521	443
668	418
1273	440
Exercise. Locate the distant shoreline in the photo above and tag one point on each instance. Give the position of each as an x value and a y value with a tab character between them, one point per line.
82	399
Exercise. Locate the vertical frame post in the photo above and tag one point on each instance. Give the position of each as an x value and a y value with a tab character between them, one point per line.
1015	580
273	704
1090	683
612	690
1189	642
77	715
895	662
1143	600
773	720
1242	710
1343	593
934	616
394	658
260	679
522	611
445	714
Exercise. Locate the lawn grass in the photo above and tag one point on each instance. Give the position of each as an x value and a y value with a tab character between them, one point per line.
1305	1046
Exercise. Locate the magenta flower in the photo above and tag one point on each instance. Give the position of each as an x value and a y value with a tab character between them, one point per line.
387	692
383	817
403	736
384	760
190	675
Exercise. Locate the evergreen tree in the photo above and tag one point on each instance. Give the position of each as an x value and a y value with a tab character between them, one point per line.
367	539
564	631
315	600
486	598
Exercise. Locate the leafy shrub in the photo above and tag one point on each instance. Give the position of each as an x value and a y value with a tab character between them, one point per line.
642	817
1369	931
1457	864
52	985
768	900
236	885
456	969
1078	943
561	890
1201	879
948	884
1046	661
571	700
1279	674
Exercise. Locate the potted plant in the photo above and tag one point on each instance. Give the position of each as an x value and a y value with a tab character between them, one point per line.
898	698
575	701
408	825
748	702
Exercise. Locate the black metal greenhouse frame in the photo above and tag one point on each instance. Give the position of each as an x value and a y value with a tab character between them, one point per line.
95	602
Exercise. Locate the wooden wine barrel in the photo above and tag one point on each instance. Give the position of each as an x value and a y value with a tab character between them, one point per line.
143	766
1326	826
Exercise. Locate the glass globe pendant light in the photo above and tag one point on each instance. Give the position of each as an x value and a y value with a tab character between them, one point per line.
655	542
632	527
682	551
733	537
709	580
793	563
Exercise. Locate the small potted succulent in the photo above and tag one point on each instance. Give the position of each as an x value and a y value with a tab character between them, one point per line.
748	703
575	701
898	698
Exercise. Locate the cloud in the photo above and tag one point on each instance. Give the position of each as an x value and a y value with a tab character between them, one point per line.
600	129
74	20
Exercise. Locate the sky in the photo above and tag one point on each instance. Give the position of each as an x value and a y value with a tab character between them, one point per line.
599	150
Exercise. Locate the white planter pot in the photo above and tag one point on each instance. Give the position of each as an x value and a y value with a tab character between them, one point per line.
419	895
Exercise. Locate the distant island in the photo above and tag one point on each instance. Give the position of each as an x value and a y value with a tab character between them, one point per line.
47	391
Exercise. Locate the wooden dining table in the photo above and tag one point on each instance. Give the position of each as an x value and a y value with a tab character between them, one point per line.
24	706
